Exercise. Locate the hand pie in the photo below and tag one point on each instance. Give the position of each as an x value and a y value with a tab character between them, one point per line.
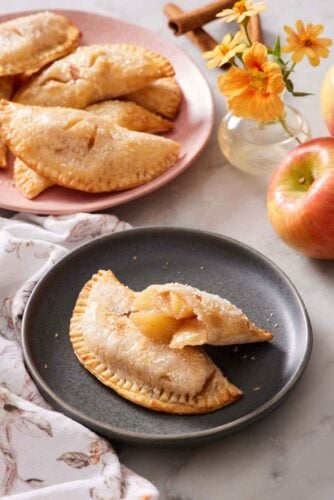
126	114
29	182
183	315
29	43
162	96
94	73
131	116
6	89
144	371
78	150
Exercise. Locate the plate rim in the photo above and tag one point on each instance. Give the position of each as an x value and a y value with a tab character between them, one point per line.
189	437
146	189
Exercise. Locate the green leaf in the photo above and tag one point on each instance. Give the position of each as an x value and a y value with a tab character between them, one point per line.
301	94
277	48
289	85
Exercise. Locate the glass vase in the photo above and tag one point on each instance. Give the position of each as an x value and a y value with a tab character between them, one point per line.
256	147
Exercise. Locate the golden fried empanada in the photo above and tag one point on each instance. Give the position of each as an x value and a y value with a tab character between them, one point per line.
6	89
94	73
162	96
29	182
131	116
78	150
28	43
126	114
201	317
144	371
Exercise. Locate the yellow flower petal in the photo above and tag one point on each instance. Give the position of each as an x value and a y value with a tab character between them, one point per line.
305	42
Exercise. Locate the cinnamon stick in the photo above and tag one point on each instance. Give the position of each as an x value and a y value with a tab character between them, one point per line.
189	21
199	37
254	29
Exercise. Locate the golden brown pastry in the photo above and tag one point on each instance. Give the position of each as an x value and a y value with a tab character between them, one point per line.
131	116
29	182
78	150
126	114
28	43
183	315
144	371
94	73
162	96
6	89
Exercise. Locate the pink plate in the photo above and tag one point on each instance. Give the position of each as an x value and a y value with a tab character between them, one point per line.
192	127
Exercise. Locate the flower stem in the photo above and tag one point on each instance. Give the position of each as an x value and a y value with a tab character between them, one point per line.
245	30
286	128
290	70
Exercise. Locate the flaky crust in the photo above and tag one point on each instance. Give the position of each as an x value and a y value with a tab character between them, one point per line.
162	96
94	73
28	43
131	116
78	150
223	322
29	182
6	89
144	371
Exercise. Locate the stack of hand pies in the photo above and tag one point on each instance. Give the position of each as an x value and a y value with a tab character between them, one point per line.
82	117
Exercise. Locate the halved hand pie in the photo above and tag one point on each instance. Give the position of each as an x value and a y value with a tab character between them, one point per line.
28	43
76	149
183	315
145	371
162	96
94	73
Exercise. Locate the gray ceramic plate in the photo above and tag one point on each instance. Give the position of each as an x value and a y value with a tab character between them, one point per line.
139	257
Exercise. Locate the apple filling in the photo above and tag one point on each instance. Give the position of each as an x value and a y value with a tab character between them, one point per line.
167	317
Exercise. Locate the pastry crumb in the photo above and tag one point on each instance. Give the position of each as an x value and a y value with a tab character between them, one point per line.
236	349
56	335
201	268
271	314
276	325
179	272
45	366
257	388
135	257
245	356
252	358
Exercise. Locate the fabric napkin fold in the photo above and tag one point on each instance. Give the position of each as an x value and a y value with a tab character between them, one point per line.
43	454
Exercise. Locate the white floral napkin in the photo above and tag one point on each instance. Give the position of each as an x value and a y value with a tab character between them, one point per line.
44	454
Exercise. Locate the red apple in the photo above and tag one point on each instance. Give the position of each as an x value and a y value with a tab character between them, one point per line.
327	99
301	198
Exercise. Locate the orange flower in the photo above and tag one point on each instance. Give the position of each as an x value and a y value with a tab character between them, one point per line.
241	10
253	92
305	42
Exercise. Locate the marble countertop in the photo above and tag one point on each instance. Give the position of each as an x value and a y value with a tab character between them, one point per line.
289	453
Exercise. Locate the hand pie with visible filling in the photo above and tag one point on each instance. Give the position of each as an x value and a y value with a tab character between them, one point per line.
6	89
162	96
183	315
28	43
94	73
78	150
145	371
